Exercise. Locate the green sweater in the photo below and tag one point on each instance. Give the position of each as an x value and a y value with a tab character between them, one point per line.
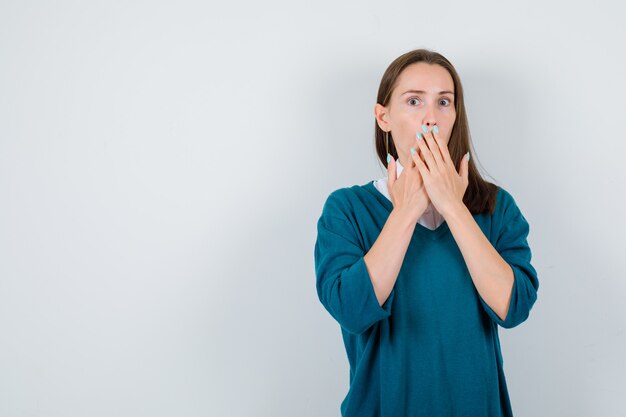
432	348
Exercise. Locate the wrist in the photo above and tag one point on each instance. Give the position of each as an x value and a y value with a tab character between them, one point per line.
454	210
403	217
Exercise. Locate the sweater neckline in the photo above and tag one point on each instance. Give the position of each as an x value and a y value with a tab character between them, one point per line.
419	228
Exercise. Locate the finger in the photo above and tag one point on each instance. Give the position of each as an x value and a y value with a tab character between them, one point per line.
418	155
412	164
426	153
464	170
421	166
434	149
443	147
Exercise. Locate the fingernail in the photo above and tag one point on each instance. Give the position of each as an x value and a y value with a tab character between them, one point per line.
388	158
412	151
425	128
418	135
436	129
467	155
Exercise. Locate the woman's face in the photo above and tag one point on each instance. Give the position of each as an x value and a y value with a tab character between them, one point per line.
424	95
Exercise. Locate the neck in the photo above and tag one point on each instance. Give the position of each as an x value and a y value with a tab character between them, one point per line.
405	162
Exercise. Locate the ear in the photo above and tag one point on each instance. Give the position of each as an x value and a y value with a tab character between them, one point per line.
380	113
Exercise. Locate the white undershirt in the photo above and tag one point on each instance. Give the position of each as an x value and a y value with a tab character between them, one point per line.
431	217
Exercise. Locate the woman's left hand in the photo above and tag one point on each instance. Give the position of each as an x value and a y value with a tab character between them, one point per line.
444	185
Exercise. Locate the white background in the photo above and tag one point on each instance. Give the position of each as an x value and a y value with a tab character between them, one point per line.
163	166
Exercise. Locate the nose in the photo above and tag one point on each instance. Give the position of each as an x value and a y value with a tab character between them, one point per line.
429	119
430	124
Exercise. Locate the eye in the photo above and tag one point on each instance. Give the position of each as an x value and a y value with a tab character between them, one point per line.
412	99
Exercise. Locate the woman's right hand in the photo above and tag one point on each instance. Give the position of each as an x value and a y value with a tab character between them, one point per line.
408	193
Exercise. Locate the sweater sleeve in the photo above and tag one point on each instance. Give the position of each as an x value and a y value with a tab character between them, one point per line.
512	245
344	286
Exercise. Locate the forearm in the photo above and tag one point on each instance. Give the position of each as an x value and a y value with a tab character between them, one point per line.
385	257
491	274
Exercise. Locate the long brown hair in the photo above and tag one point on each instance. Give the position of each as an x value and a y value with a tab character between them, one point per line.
480	196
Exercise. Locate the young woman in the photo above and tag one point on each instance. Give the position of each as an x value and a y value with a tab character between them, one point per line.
421	267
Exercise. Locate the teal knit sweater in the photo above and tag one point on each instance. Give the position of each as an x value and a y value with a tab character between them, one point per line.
432	348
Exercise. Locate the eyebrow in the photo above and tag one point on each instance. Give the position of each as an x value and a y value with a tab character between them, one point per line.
424	92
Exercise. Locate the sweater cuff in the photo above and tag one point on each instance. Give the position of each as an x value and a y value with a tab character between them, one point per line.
360	307
520	304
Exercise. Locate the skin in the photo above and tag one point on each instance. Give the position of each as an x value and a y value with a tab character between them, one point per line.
429	177
406	113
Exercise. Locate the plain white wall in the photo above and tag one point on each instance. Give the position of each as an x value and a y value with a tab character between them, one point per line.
163	166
